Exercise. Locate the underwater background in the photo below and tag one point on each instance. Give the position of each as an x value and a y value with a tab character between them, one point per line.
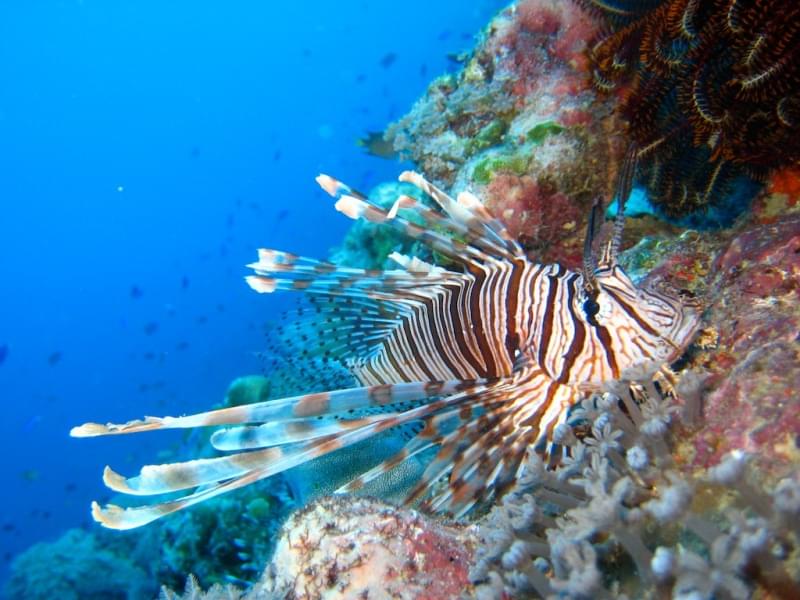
643	441
147	149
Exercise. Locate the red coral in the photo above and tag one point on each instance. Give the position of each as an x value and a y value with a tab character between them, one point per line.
536	16
542	218
545	40
786	181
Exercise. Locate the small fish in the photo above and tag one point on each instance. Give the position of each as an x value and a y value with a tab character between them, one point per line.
276	156
54	358
149	355
184	283
375	144
3	353
29	475
201	319
458	58
182	346
195	152
150	328
136	292
388	60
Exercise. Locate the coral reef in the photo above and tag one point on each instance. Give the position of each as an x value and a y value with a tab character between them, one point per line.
229	540
710	90
341	547
618	519
226	541
523	127
79	566
248	389
749	278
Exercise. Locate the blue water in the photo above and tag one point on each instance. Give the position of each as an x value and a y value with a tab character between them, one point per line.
147	148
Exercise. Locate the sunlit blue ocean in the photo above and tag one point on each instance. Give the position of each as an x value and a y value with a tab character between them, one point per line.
146	150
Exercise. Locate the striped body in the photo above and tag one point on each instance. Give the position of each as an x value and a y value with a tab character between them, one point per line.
479	326
489	358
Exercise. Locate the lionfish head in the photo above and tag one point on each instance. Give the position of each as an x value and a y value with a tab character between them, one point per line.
654	322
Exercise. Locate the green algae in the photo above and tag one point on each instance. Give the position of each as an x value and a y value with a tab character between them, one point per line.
490	135
259	508
248	390
485	170
539	132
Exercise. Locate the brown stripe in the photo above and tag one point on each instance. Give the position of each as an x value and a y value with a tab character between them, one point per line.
380	395
534	420
632	313
479	288
415	343
432	388
454	308
605	342
576	345
312	405
512	299
437	333
389	355
553	282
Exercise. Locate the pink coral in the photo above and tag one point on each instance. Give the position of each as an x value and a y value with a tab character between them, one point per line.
542	218
750	279
535	16
545	40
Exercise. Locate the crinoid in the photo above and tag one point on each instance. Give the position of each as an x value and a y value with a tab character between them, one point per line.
711	92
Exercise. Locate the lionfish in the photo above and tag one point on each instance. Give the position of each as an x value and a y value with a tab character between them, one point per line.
486	360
